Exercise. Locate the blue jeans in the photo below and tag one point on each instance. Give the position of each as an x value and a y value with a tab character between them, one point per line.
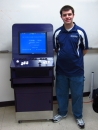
76	85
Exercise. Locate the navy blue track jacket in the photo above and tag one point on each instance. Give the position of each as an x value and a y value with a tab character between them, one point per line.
70	46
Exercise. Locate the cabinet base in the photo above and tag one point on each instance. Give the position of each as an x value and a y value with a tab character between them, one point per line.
36	115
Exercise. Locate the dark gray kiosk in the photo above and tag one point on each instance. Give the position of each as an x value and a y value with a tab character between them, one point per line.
32	71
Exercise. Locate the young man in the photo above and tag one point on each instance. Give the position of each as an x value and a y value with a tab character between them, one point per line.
71	44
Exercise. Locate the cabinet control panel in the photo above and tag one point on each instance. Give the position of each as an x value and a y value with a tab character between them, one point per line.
34	62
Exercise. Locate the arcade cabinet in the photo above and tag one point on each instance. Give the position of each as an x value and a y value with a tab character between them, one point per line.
32	71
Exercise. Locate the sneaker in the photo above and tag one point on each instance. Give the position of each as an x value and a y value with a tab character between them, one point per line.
58	117
80	123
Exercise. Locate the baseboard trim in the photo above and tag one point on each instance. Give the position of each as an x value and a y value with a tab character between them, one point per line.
7	103
85	94
12	103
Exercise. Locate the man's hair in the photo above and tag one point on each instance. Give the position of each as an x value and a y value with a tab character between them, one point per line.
66	8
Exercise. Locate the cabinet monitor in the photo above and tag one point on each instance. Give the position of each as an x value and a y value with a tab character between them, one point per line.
32	43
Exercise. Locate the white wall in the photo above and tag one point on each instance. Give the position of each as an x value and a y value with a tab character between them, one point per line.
91	65
45	11
7	93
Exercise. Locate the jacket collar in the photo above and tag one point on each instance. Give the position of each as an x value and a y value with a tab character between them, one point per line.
73	29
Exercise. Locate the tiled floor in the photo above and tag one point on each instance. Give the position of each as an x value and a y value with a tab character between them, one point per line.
8	120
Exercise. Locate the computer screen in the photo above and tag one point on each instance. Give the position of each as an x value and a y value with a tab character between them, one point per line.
32	43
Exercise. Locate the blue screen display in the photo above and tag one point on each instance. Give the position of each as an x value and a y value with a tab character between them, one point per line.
33	43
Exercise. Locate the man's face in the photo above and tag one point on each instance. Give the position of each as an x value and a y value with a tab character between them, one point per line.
67	17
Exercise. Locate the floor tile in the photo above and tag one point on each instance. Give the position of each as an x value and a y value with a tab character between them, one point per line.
8	119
